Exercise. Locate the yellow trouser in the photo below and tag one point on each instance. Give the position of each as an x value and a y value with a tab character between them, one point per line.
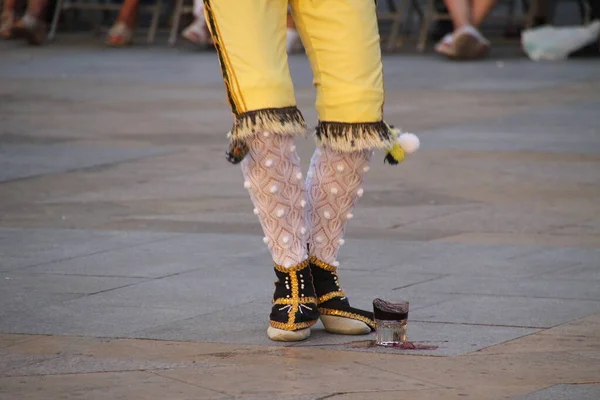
341	39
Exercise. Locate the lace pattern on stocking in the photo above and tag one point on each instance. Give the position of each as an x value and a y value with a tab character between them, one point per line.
333	184
274	180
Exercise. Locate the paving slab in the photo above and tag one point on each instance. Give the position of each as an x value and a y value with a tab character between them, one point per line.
180	253
295	378
525	132
7	340
103	386
68	318
507	311
18	161
565	392
171	289
449	339
523	287
10	362
21	248
80	364
576	273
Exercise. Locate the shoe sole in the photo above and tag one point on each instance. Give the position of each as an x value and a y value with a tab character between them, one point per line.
344	326
280	335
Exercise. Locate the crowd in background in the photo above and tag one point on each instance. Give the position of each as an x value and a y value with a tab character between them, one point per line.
463	39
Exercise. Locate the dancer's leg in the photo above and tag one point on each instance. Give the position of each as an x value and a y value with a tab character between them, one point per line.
250	40
348	75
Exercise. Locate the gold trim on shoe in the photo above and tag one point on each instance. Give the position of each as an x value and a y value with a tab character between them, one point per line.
296	267
292	326
292	301
346	314
330	295
321	264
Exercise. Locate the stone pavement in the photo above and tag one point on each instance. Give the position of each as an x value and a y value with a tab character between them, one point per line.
132	267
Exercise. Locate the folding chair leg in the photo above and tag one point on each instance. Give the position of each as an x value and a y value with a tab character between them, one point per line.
401	12
393	37
176	19
532	13
154	23
55	17
425	24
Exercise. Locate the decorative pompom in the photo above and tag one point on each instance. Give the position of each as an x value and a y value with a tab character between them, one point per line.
409	142
237	150
394	155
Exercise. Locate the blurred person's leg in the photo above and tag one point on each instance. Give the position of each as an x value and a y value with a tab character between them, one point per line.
197	31
460	12
480	10
7	18
121	33
293	43
33	25
342	42
466	42
250	39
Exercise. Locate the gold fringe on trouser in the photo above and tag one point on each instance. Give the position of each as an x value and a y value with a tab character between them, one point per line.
354	136
278	121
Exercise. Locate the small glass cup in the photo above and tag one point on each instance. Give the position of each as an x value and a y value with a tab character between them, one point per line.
390	322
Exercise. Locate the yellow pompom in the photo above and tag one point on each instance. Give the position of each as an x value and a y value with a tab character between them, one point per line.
394	155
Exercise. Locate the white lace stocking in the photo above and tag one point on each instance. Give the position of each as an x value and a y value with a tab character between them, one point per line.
273	178
334	184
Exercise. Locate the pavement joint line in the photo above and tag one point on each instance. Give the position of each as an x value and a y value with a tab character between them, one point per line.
80	275
82	373
115	288
34	337
569	225
396	226
171	236
553	270
490	325
4	372
425	281
521	296
330	396
188	383
175	274
96	167
182	320
438	386
529	253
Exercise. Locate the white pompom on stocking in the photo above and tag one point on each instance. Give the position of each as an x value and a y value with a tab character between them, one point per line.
409	142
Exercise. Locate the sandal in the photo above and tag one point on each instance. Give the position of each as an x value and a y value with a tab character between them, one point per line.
446	46
31	28
119	35
196	33
469	44
7	22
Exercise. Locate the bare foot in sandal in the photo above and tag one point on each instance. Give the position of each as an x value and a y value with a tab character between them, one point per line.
119	35
197	32
469	44
445	46
32	28
7	22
